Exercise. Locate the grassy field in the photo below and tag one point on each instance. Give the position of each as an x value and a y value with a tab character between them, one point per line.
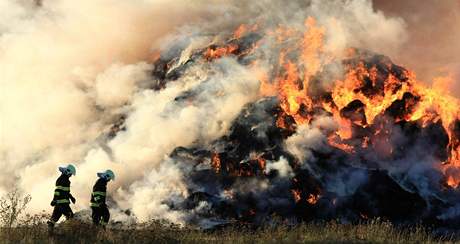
16	226
78	232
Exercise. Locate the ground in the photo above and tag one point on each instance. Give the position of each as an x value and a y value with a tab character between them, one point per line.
374	231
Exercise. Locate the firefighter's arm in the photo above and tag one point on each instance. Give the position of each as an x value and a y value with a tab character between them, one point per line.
55	196
72	198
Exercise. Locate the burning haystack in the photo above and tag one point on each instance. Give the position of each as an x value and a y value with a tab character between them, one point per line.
346	137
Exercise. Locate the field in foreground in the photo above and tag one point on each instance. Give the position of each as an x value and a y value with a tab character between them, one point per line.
77	232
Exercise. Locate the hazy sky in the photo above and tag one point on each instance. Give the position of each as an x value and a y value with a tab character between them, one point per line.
433	45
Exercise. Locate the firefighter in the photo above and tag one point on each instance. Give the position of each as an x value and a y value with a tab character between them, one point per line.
62	195
100	211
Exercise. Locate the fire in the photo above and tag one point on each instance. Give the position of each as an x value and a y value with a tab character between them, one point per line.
363	216
343	146
215	162
296	194
240	31
365	143
313	199
228	194
355	101
435	99
436	105
218	52
345	127
262	163
243	29
292	90
452	182
291	96
292	81
347	91
312	47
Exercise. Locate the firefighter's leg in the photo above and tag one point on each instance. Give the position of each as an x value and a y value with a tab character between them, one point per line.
67	211
105	215
96	215
55	216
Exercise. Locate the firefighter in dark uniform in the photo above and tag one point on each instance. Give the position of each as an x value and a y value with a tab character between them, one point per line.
62	196
100	211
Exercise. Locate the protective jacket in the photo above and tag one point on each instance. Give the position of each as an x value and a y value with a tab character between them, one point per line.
62	191
99	193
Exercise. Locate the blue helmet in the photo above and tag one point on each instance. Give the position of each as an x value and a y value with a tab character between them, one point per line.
68	170
108	175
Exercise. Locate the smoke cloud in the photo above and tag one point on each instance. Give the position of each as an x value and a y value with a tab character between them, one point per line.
68	70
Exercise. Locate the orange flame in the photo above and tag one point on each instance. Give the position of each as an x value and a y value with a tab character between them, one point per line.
296	194
292	90
243	29
218	52
215	162
313	199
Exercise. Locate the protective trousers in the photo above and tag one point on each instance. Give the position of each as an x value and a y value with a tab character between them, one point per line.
100	215
58	211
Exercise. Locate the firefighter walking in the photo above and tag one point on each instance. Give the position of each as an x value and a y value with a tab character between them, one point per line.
100	211
62	196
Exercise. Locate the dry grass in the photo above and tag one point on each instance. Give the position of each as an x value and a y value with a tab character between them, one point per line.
18	227
78	232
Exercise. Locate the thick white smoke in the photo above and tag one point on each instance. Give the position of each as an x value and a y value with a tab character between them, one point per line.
309	138
69	69
281	166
